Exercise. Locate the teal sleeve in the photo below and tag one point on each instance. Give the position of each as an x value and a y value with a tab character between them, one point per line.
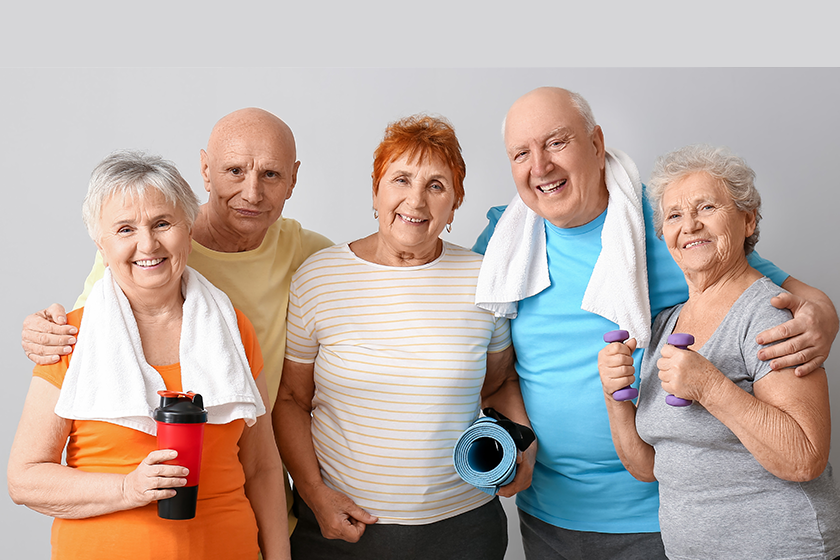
493	216
767	268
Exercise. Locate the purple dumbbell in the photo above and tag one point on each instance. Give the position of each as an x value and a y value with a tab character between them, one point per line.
628	392
680	340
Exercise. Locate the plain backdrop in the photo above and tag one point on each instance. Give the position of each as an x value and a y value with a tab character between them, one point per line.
57	124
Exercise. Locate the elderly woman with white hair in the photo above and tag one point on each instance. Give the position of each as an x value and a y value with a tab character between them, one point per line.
151	324
743	471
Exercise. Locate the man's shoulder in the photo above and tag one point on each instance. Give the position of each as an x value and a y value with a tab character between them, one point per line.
493	216
289	232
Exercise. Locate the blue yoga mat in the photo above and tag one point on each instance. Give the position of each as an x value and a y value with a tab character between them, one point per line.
485	455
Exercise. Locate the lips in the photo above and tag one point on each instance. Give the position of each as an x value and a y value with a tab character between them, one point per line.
148	263
548	188
411	220
247	213
695	243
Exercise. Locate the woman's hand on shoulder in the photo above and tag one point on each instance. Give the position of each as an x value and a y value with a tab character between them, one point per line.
338	516
152	480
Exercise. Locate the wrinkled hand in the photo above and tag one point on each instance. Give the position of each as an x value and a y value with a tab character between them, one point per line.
152	480
809	336
615	365
338	516
46	335
686	374
524	470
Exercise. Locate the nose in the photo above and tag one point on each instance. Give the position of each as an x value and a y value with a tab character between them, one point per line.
416	196
147	242
690	222
540	163
252	189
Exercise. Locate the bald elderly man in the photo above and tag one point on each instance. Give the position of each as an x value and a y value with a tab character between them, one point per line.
241	241
593	265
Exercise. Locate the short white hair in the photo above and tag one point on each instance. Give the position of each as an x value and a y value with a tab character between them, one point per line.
721	165
130	173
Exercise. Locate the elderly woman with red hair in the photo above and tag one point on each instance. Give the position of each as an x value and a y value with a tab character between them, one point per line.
387	362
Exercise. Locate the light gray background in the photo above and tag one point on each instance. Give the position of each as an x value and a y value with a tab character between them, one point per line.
56	124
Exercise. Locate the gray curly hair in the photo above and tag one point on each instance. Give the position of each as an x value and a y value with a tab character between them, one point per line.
718	162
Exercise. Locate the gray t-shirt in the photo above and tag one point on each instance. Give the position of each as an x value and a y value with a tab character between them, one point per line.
716	500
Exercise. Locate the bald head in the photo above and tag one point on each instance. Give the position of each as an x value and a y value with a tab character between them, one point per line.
553	96
254	125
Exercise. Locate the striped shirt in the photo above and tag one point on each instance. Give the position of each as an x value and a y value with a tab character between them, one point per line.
400	357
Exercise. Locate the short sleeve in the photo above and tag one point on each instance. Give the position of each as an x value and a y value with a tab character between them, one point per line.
493	216
501	335
761	317
767	268
301	343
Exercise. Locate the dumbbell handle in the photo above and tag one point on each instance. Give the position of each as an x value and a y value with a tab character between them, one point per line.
680	340
627	393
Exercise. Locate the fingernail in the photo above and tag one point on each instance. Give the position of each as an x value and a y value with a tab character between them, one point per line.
72	340
67	349
73	330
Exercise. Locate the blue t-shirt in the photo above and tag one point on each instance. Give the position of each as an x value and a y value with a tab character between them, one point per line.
579	482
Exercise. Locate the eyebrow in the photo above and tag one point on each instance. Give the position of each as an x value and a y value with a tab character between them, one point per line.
561	130
132	221
437	176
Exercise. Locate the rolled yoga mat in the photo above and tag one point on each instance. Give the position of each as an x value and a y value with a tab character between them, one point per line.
485	454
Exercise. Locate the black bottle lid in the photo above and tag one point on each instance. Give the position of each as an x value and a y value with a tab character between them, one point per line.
180	408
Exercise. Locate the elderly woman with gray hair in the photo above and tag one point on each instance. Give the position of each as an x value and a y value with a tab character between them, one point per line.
743	471
151	324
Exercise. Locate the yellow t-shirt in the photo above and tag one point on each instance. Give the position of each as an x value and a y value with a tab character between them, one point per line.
257	283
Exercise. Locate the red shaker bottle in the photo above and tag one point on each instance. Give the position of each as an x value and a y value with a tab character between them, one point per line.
180	426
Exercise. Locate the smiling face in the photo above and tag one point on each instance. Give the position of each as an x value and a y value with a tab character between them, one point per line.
557	166
145	241
415	200
249	169
703	228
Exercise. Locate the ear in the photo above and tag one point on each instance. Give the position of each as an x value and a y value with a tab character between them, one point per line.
293	182
598	144
750	223
101	252
205	170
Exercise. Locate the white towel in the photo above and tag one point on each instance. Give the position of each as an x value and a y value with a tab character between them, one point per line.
109	379
515	263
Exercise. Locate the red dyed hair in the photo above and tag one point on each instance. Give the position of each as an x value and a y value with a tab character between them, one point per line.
423	137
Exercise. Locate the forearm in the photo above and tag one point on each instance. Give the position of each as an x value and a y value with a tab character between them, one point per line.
294	439
264	489
803	290
635	454
508	400
791	442
66	493
501	389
